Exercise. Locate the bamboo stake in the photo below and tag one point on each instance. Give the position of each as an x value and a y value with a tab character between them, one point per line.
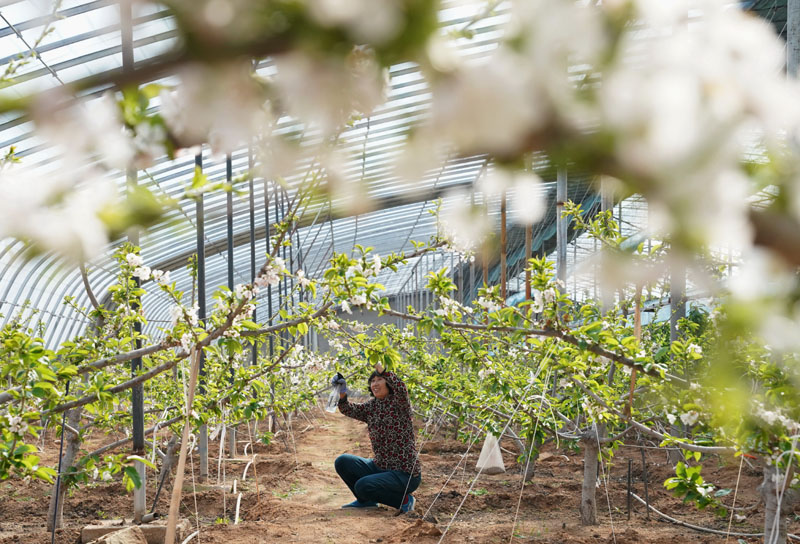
175	502
637	333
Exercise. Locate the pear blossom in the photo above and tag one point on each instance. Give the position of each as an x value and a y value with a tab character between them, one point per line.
187	340
191	314
358	300
695	349
672	418
538	301
488	304
690	417
175	314
376	264
134	260
161	277
142	272
302	279
16	424
346	307
270	277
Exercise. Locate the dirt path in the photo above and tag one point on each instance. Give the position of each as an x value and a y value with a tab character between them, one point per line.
299	495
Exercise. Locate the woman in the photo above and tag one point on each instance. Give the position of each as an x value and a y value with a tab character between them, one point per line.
395	471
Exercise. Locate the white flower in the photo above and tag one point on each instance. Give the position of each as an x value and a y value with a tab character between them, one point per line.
463	225
365	20
695	349
134	260
271	276
489	305
149	143
346	307
302	279
142	272
549	295
160	277
376	264
106	476
16	424
187	342
489	105
528	205
175	314
358	300
192	315
245	291
690	417
538	302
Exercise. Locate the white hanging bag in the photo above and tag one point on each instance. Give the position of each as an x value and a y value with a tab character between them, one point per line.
333	400
490	460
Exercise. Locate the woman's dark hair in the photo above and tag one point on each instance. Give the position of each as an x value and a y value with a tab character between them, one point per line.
375	374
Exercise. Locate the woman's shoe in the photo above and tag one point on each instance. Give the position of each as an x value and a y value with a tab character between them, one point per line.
358	504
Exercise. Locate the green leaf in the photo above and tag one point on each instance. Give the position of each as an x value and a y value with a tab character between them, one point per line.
133	479
143	460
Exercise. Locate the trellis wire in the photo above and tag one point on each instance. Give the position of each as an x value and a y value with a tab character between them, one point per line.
527	464
735	491
604	478
58	476
516	408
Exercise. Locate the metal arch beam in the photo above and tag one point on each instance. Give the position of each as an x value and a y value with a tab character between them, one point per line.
95	55
63	14
243	237
96	33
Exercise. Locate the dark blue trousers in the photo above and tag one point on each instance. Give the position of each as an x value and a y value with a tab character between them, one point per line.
370	483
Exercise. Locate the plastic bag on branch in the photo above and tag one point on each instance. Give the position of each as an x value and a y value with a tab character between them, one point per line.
490	460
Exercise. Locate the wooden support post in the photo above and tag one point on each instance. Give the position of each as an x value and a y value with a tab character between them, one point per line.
503	236
201	312
528	244
231	431
177	487
561	226
637	333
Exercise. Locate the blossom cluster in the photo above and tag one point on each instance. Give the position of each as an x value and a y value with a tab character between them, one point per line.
450	306
775	417
145	273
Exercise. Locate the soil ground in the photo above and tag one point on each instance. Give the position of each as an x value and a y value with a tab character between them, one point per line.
294	495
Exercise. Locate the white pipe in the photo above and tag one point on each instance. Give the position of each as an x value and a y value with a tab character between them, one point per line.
191	536
234	486
221	451
245	448
238	502
244	474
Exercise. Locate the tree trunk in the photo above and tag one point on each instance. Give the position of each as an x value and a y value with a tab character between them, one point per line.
591	452
775	520
529	465
72	444
170	458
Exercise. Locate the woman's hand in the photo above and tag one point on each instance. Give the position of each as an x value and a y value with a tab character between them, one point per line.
379	368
